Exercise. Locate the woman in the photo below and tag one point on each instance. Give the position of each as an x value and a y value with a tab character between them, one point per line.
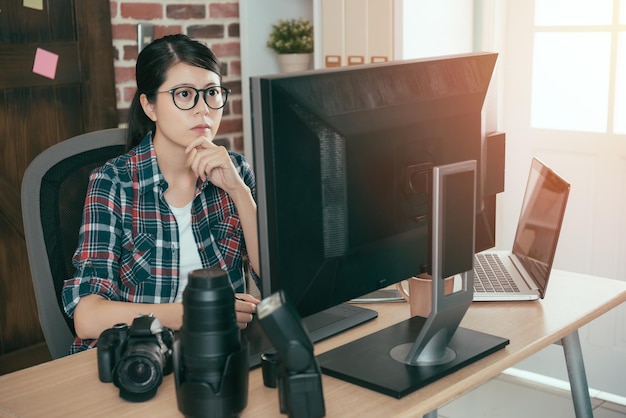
175	202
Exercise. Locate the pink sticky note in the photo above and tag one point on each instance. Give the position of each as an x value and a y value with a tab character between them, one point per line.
45	63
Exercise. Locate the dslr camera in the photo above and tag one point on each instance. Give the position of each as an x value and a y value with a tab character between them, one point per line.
136	358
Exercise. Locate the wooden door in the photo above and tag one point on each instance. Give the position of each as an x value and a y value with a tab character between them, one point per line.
37	112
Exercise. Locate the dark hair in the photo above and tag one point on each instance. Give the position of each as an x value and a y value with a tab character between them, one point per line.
151	70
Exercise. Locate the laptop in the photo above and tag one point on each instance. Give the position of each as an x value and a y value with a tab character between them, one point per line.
523	272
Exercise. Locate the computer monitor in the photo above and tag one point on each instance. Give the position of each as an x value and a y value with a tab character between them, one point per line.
344	160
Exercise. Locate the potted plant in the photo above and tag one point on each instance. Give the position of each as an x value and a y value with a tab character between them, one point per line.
292	40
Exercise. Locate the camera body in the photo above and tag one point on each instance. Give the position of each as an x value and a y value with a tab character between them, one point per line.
136	358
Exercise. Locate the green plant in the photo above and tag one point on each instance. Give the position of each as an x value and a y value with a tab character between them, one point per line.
291	36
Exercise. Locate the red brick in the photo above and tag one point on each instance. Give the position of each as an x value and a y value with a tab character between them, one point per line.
185	11
238	144
235	68
233	30
206	31
225	70
235	106
161	31
129	93
234	86
142	10
113	6
231	126
124	31
130	52
224	10
124	74
227	49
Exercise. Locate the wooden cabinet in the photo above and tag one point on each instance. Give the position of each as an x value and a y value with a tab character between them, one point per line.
356	32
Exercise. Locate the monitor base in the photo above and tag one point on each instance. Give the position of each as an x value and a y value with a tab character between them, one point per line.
370	363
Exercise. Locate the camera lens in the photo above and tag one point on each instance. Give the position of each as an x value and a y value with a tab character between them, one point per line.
212	372
140	372
210	330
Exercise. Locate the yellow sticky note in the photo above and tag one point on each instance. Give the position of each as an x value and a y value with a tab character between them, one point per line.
34	4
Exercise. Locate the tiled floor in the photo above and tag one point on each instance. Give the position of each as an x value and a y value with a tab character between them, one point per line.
512	396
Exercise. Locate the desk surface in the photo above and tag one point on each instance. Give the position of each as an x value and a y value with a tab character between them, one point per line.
70	386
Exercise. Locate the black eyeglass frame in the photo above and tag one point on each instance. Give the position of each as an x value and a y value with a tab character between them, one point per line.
225	92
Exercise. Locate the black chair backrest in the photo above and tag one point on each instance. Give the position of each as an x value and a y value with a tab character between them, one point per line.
63	190
53	196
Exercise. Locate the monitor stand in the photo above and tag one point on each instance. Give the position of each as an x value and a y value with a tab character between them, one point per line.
375	361
413	353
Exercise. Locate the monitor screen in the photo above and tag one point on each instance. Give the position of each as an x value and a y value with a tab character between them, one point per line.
344	160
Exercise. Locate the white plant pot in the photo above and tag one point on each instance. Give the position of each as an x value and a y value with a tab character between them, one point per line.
294	62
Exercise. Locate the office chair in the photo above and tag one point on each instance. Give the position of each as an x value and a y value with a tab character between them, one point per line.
53	194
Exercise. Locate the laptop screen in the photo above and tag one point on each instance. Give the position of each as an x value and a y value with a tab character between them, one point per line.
540	222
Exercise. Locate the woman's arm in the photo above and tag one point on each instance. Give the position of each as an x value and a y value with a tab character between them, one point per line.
214	163
94	314
246	207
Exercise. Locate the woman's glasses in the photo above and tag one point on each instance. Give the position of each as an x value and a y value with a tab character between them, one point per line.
186	98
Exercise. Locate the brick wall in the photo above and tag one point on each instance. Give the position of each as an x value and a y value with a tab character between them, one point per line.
214	22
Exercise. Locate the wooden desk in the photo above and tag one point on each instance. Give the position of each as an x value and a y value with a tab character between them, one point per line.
70	386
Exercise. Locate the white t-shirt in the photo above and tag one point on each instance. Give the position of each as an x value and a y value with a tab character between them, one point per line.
189	256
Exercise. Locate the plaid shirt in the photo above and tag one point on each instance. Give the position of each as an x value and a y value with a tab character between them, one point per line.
128	244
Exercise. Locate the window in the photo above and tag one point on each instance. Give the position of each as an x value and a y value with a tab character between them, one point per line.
579	66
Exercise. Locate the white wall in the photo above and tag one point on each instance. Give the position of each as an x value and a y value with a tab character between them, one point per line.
432	28
256	19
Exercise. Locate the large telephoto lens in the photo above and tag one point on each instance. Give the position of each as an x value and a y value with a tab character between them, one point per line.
210	330
211	363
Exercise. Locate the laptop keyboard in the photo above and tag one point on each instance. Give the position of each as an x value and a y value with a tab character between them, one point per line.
491	276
